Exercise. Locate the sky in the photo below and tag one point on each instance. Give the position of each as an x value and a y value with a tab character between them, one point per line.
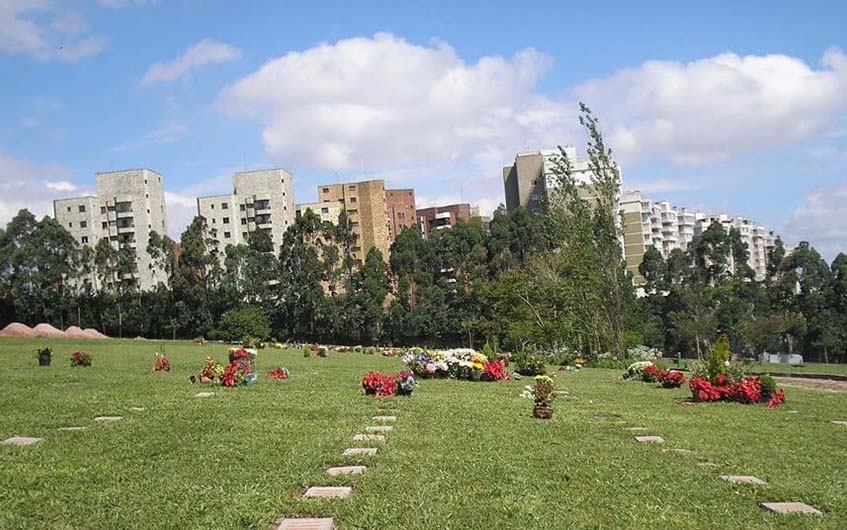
728	107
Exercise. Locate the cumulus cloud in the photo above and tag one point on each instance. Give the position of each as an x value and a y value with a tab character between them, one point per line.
708	110
29	185
196	56
181	209
821	220
383	102
42	30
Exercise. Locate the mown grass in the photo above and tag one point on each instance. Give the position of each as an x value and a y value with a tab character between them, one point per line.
808	368
463	455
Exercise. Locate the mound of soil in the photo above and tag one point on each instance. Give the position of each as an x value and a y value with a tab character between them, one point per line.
46	330
75	332
94	334
16	329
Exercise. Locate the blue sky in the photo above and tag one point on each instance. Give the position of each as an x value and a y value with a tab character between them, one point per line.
730	108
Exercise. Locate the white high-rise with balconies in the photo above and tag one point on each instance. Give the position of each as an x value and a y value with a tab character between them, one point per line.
261	200
128	206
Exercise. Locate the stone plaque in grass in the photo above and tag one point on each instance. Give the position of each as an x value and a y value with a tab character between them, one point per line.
637	429
20	441
355	451
204	394
330	492
791	507
137	409
744	479
385	418
367	437
844	423
346	470
108	418
650	439
379	428
305	523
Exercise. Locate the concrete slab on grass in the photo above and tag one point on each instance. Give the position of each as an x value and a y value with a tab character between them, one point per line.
379	428
108	418
305	523
744	479
385	418
368	437
346	470
20	441
650	439
791	507
329	492
204	394
355	451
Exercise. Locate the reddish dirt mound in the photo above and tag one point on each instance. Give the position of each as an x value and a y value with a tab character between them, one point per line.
16	329
94	334
46	330
75	332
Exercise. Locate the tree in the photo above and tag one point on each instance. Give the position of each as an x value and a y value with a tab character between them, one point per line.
242	323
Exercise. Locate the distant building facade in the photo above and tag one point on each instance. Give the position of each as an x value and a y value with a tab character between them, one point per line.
367	212
529	181
261	200
400	208
128	206
327	211
443	217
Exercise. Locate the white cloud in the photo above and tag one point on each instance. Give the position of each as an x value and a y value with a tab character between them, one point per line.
30	185
171	131
668	185
42	30
708	110
383	102
61	185
821	220
181	209
203	53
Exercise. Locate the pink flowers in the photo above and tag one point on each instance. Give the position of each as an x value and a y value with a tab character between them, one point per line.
748	391
495	371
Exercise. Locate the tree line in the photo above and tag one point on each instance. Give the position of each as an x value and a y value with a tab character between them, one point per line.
553	279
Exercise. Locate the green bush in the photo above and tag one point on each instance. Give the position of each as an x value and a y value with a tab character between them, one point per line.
245	322
529	363
768	385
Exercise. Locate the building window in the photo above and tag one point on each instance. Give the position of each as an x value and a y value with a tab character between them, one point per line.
225	220
352	199
69	208
326	190
351	187
105	225
241	207
226	235
213	220
224	206
148	211
81	208
243	221
103	210
83	224
244	235
212	206
83	239
251	219
147	195
70	225
324	210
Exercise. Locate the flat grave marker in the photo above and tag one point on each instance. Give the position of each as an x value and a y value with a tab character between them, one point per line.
108	419
305	523
650	439
204	394
744	479
385	418
329	492
791	507
354	451
367	437
346	470
71	429
379	428
20	441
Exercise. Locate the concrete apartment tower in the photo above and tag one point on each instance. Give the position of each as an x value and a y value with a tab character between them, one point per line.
260	200
665	227
530	180
443	217
128	206
367	211
400	206
327	211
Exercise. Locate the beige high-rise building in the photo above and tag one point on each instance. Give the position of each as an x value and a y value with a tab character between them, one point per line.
128	206
367	212
261	200
531	179
400	205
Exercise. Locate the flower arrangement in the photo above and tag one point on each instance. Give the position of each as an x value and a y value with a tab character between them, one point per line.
161	363
747	390
388	385
237	374
80	358
211	371
671	378
279	373
44	356
460	363
542	393
242	355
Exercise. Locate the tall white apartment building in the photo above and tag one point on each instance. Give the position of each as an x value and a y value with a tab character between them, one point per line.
128	206
260	200
666	227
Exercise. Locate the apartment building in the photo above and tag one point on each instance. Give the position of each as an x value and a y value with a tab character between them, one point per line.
443	217
327	211
531	179
261	200
658	224
367	210
400	208
128	206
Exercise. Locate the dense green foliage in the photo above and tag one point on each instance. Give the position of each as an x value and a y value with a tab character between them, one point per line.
462	454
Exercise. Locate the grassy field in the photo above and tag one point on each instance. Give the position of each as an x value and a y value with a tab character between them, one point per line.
463	455
808	368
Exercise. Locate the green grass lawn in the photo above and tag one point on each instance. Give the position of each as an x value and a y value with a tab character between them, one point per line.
463	455
808	368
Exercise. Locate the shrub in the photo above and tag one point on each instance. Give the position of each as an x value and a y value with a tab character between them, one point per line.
719	360
307	351
80	358
530	364
768	385
643	353
238	324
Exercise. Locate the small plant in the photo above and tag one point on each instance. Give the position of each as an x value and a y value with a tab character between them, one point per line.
768	386
542	393
719	360
44	356
307	351
161	363
80	358
530	364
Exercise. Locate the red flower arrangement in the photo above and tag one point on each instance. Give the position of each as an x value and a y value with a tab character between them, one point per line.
495	371
279	373
748	391
80	358
388	385
650	374
240	355
236	373
671	378
161	364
